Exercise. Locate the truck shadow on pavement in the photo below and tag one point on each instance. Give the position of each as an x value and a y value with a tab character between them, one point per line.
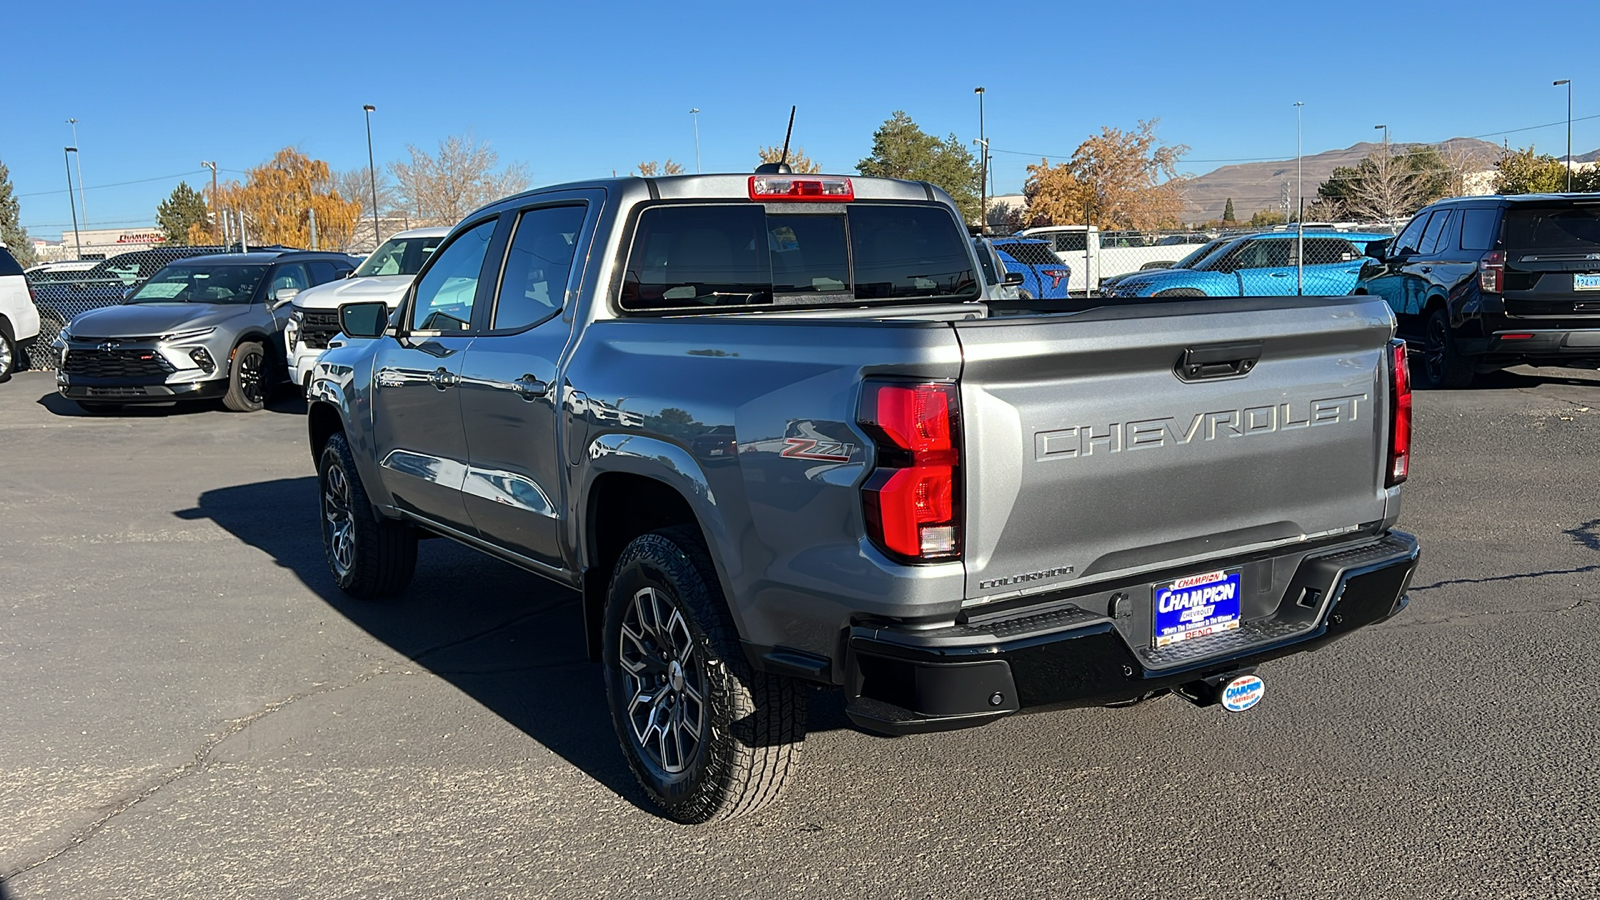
508	639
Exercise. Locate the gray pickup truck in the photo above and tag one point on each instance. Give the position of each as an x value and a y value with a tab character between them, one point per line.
772	432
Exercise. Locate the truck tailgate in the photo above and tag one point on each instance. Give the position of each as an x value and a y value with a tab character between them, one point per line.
1089	454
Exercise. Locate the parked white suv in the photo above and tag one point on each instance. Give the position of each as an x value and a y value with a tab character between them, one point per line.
384	276
19	318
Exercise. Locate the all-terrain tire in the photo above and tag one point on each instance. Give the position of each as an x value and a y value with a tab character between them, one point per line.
248	382
1443	366
370	557
668	639
10	354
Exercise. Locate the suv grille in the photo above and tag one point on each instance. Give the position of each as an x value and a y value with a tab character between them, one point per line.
318	327
98	363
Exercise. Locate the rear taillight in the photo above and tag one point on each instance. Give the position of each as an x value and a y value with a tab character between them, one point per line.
1492	271
912	500
815	188
1399	416
1056	276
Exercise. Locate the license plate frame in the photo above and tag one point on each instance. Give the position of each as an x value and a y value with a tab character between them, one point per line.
1586	281
1196	606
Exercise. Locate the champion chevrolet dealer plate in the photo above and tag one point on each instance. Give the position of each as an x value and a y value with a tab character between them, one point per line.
1196	606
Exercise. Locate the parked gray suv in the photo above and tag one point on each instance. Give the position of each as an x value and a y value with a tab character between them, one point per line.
206	327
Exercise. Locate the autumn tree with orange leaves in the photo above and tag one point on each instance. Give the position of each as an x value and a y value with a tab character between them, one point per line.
799	163
1118	180
279	196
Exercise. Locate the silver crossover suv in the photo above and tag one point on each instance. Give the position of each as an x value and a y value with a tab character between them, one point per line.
203	327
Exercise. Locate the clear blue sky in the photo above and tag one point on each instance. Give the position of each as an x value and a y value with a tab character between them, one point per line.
575	90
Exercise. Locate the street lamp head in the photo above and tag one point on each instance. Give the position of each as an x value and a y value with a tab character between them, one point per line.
369	107
1379	127
70	149
977	90
1561	82
694	110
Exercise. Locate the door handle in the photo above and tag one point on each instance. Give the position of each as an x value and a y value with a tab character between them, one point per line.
442	378
1219	360
1425	269
530	388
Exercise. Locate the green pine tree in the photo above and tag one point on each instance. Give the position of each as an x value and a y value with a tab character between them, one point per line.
12	234
176	214
1227	211
902	150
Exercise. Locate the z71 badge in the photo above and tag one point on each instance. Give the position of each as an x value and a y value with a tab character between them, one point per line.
819	450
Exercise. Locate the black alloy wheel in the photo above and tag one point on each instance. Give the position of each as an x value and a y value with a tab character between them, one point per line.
1442	364
247	378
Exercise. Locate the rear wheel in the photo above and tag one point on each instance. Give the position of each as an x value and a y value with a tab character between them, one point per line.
707	736
8	355
247	378
370	557
1442	364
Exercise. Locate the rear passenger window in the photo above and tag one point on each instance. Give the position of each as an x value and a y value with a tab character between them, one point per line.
322	271
8	263
1430	236
1478	229
538	265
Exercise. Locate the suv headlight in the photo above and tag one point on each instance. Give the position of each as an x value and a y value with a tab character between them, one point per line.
189	335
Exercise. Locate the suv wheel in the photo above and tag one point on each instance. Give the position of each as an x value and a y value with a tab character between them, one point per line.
1442	364
8	355
247	378
708	737
369	557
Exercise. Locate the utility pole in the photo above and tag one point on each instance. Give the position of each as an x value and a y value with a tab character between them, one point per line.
1565	81
216	215
77	239
983	170
695	112
312	214
83	204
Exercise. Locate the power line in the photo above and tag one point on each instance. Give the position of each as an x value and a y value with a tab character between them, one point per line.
117	184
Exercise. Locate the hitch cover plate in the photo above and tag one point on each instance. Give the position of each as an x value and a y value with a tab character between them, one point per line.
1242	693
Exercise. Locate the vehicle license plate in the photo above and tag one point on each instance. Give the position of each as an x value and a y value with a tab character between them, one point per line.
1586	282
1196	606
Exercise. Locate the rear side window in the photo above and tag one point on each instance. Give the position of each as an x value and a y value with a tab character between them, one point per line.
538	265
742	255
1478	228
322	271
1326	251
8	263
1553	228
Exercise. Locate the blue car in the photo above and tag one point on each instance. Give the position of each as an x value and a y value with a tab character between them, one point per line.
1044	275
1260	265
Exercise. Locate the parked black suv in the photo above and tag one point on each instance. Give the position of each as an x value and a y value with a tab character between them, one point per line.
1480	283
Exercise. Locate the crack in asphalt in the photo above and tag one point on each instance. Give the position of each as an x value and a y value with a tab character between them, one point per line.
1490	579
202	755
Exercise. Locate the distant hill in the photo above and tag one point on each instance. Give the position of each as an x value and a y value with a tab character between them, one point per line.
1259	185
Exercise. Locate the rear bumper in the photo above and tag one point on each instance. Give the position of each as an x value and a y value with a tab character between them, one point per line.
902	681
1512	344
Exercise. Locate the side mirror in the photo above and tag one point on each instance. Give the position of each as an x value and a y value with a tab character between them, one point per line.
364	320
1012	278
1378	250
284	295
127	292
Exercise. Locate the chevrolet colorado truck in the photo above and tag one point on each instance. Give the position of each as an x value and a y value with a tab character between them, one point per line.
772	432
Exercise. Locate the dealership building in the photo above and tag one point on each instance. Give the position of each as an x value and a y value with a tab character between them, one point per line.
98	243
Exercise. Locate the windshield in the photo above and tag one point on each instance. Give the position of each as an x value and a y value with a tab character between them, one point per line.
1188	262
201	284
399	256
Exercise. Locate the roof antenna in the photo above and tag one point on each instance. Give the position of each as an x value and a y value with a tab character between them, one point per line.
781	167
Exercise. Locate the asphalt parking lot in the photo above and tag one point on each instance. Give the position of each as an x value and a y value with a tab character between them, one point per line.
191	710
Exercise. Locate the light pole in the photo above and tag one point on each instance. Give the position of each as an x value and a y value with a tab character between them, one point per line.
216	215
1385	134
77	240
1568	83
983	170
82	203
695	113
1300	203
372	176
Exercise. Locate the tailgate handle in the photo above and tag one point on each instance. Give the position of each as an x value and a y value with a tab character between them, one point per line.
1219	361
